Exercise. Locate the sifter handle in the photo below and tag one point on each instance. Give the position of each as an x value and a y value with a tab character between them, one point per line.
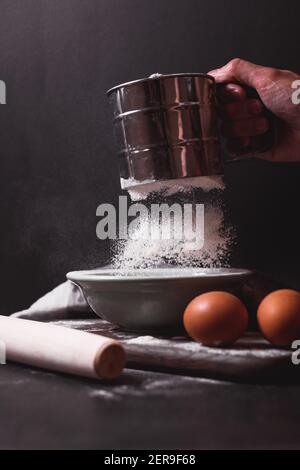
258	144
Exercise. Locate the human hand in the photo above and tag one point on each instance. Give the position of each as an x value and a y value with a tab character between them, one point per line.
244	118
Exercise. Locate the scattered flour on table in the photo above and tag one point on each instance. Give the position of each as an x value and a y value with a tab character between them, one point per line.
148	340
139	384
251	345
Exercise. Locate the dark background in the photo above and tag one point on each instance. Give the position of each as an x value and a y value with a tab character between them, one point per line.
58	57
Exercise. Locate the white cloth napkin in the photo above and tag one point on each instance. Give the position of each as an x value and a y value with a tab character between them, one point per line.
65	301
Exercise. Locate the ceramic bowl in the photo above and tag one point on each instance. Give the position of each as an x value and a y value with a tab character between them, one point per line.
152	299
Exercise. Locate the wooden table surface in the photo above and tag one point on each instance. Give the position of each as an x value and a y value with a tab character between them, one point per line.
143	410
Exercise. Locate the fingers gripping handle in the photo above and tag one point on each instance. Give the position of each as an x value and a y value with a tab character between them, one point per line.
264	142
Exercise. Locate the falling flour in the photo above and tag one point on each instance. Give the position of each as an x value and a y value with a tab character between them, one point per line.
140	251
167	188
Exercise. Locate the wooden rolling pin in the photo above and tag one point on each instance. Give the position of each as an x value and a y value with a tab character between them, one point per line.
61	349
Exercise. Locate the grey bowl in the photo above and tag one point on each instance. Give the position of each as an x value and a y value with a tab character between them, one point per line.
152	299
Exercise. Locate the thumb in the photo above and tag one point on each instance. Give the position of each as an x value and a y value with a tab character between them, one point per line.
243	72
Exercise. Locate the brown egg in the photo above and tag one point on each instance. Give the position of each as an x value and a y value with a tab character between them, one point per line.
215	318
278	317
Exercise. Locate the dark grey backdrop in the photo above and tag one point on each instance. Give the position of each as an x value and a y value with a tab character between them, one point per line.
57	164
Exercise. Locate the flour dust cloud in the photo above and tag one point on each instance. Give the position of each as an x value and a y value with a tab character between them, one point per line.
213	252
